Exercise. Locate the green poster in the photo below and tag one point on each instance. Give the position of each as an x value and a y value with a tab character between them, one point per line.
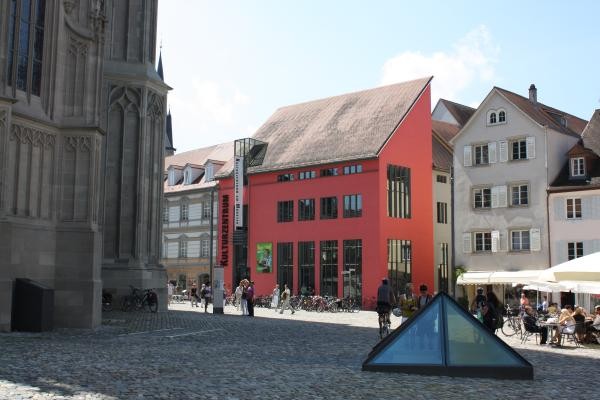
264	257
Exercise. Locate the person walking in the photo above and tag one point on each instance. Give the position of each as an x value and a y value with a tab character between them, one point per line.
201	294
194	295
207	295
275	300
424	297
250	299
238	295
285	299
244	301
170	289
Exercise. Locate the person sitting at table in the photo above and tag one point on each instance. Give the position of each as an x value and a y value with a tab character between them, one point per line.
566	324
579	318
594	328
553	309
531	325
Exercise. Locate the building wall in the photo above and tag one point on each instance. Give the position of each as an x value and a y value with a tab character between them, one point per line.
442	232
409	146
194	230
585	229
530	171
54	182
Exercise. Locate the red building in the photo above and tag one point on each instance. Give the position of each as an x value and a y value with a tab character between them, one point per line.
337	194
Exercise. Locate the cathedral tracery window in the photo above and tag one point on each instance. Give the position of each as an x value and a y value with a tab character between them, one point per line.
26	44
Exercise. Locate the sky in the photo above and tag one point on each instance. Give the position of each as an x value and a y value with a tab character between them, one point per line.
232	63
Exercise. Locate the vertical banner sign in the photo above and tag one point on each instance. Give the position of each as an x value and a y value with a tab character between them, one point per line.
238	181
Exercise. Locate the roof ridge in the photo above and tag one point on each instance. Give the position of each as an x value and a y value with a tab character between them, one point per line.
427	78
539	103
458	104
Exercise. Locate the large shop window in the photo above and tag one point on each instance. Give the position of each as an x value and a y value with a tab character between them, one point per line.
285	265
399	265
353	269
329	268
26	44
306	266
398	191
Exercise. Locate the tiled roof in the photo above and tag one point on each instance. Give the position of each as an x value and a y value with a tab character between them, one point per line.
460	112
442	157
446	130
545	115
221	153
591	133
347	127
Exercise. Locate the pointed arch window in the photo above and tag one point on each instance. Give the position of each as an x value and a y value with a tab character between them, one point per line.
26	45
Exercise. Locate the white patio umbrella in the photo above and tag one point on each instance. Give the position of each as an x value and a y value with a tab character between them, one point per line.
582	269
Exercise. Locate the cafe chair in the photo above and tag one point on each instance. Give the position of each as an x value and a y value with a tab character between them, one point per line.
527	334
569	333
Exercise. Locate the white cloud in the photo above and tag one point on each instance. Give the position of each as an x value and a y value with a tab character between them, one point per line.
206	112
471	60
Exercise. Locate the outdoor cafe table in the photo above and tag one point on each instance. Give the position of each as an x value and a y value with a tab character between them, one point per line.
549	326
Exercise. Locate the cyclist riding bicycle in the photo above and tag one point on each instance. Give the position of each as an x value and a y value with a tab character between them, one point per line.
385	299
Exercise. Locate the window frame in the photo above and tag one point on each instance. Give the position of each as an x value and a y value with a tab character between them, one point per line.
305	175
441	178
442	212
326	172
398	192
329	208
578	167
574	250
285	211
574	209
183	248
522	149
352	169
285	177
477	161
306	212
483	197
521	236
349	210
484	241
512	194
184	211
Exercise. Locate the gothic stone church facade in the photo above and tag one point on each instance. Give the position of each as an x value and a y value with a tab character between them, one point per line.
82	125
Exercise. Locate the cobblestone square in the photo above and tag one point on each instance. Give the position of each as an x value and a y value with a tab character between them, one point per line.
186	354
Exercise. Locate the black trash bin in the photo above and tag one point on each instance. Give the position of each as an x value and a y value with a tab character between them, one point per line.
33	306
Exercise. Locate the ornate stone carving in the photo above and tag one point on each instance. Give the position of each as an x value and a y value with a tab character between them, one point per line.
77	47
98	19
81	143
69	6
125	97
34	137
155	106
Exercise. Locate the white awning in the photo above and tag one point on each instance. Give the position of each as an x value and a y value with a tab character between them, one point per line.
497	277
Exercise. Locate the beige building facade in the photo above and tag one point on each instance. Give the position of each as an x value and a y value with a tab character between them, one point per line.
82	126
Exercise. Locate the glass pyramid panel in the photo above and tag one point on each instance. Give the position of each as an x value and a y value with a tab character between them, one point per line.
470	344
420	343
444	339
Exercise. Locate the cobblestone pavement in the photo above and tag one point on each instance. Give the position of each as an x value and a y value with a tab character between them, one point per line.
187	354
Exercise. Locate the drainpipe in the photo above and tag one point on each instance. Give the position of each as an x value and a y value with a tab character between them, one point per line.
212	234
547	195
452	240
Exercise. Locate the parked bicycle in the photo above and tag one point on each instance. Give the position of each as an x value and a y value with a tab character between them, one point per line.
106	301
512	322
138	299
150	300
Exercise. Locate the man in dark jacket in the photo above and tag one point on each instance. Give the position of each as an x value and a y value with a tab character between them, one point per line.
530	323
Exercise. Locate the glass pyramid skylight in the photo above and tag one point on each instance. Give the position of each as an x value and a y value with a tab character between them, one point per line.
444	339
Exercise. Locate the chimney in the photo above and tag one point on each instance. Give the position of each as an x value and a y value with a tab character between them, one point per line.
533	94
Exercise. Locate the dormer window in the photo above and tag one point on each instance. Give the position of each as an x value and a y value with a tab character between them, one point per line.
209	172
172	180
495	117
577	167
187	177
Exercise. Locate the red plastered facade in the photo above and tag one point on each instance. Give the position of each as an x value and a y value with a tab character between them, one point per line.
409	146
